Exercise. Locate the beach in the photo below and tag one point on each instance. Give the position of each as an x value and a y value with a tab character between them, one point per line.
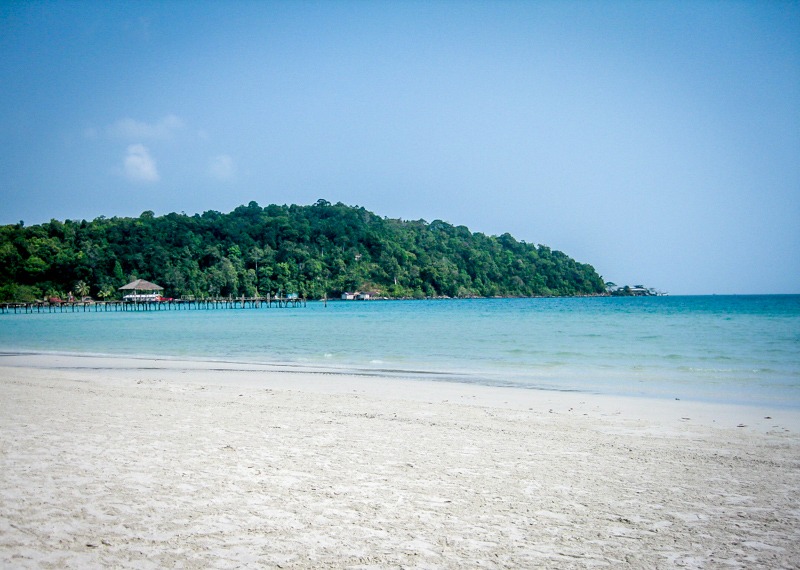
144	463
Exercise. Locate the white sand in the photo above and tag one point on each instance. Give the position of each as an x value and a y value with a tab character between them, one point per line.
163	464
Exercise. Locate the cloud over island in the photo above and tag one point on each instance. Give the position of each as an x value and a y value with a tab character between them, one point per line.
132	129
172	142
139	164
222	167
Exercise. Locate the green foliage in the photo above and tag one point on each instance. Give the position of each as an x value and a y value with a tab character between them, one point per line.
317	250
81	288
20	293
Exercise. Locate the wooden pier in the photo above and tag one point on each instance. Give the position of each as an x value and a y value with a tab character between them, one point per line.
165	305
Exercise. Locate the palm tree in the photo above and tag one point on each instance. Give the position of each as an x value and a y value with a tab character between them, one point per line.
105	292
54	294
256	254
82	288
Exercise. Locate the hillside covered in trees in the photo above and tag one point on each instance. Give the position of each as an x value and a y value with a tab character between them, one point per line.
317	250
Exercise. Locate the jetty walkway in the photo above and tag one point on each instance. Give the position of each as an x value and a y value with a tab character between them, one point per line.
165	305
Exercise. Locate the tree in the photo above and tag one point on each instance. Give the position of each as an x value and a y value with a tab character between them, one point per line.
105	292
55	294
82	289
321	249
256	254
117	273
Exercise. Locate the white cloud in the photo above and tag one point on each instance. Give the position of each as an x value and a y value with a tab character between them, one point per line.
222	167
132	129
139	165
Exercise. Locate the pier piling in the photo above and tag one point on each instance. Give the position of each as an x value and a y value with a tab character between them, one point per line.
165	305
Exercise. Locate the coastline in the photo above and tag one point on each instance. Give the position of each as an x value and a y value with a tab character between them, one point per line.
737	351
157	462
405	385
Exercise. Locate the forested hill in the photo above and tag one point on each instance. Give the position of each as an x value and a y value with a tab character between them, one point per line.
311	250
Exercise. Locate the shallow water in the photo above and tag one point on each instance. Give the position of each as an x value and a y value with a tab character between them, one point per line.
737	349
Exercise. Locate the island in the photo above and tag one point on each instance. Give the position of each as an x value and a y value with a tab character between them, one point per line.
316	251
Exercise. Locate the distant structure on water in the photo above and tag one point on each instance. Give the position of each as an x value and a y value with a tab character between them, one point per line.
146	296
359	296
142	291
636	291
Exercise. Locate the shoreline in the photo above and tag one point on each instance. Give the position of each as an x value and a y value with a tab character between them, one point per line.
151	463
24	358
422	386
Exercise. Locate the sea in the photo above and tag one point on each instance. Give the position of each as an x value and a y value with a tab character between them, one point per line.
724	349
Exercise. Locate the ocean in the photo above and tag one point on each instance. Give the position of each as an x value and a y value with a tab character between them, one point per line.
731	349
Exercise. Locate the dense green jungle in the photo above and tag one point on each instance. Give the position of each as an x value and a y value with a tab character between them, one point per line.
315	251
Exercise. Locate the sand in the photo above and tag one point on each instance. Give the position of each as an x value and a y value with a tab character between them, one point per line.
165	464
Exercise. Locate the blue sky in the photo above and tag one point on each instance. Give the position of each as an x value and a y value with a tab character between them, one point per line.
658	141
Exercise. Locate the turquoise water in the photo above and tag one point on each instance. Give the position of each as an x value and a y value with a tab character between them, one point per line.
740	349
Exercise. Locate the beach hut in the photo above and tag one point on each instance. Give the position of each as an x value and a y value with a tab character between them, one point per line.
142	291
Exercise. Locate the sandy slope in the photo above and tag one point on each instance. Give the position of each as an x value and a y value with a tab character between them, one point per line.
147	464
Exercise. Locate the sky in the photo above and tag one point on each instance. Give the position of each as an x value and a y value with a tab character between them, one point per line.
657	141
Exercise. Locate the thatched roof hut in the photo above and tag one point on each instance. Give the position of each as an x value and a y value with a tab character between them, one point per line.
141	285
